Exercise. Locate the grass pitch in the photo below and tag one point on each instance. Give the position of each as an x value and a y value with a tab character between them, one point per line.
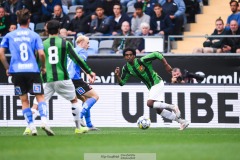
167	143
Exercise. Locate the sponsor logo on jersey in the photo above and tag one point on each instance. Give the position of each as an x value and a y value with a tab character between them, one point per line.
141	68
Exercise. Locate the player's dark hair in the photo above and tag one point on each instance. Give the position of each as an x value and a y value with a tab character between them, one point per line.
23	16
53	26
129	49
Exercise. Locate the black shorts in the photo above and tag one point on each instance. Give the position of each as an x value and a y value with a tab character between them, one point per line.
81	87
27	83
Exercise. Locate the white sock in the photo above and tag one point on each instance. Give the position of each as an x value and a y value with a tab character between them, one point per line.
162	105
169	115
44	119
34	113
76	114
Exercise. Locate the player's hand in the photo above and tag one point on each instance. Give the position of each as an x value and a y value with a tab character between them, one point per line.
43	70
117	71
90	79
7	73
93	77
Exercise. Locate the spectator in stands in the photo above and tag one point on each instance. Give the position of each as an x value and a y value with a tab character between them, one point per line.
145	28
80	23
176	11
12	27
127	3
148	6
48	8
34	6
118	19
108	6
138	18
160	23
100	24
235	14
119	44
4	22
213	44
45	32
90	6
232	44
77	2
11	7
238	6
61	17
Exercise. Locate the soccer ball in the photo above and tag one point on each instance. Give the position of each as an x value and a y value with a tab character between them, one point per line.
143	122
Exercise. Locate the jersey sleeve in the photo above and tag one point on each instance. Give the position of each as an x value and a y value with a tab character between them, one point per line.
125	75
78	60
152	56
5	42
39	43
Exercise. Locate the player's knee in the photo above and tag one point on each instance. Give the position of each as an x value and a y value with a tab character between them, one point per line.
150	103
74	100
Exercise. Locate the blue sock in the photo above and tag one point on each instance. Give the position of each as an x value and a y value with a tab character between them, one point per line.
88	119
42	108
87	106
27	113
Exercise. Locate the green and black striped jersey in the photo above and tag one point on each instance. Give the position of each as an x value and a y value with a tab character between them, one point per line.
57	50
143	70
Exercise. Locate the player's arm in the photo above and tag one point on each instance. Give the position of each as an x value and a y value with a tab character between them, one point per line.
167	66
124	77
78	60
4	60
117	74
42	59
157	55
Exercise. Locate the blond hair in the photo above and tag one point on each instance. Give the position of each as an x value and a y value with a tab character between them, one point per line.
81	38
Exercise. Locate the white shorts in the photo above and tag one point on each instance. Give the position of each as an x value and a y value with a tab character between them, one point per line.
64	88
156	92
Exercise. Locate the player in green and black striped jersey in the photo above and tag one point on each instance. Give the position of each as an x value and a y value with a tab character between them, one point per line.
142	68
57	79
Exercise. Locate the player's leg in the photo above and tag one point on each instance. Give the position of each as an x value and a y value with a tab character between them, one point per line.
85	92
27	113
27	131
156	100
42	105
90	94
66	89
21	86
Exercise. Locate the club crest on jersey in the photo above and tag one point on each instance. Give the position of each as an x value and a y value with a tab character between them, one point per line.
37	88
18	90
80	90
141	68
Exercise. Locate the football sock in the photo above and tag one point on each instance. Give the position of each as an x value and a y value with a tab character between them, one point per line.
42	108
162	105
87	106
34	113
169	115
88	119
27	113
76	113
